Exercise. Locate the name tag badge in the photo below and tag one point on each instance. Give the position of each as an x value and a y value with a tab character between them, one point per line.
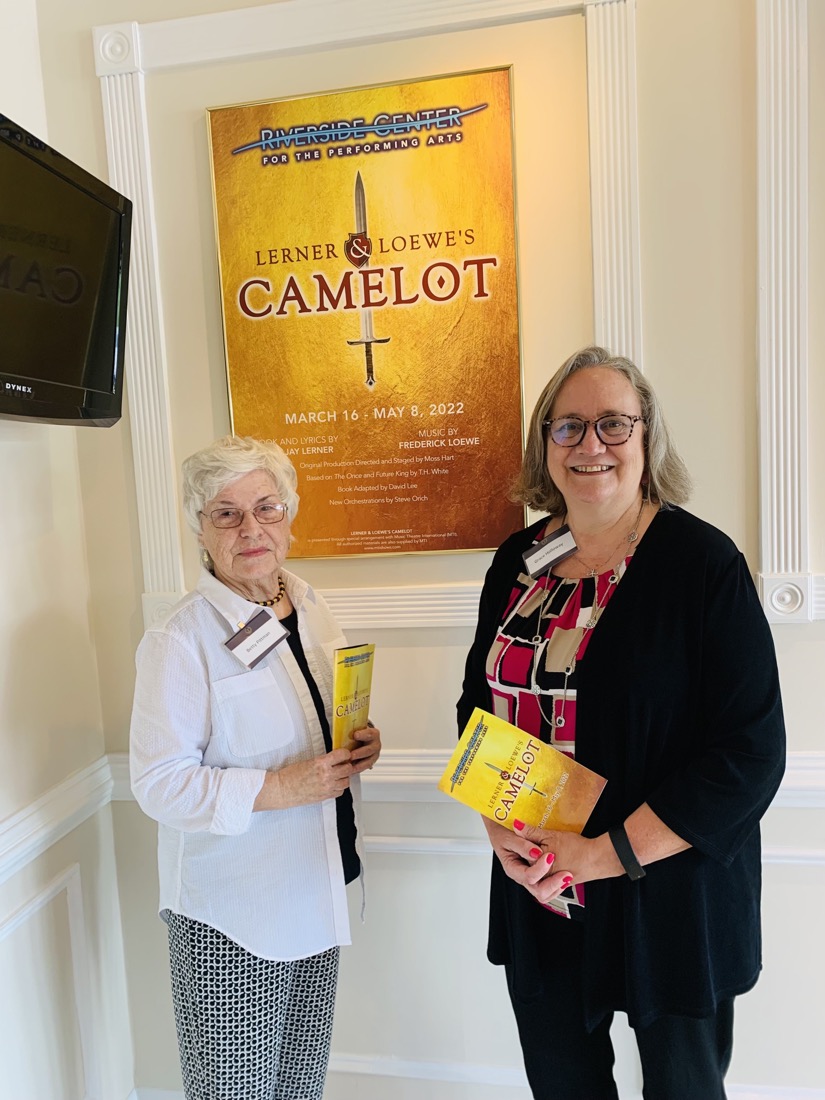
259	637
550	551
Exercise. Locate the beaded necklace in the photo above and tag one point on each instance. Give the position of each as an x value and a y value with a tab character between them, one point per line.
275	599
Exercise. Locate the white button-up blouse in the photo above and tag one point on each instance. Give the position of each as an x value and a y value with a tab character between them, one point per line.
205	729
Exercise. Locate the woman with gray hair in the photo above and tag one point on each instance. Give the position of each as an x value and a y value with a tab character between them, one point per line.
231	754
627	633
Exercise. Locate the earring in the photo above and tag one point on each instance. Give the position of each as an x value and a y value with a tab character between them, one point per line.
646	487
206	561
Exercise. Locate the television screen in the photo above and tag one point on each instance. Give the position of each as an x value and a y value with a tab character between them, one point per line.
64	259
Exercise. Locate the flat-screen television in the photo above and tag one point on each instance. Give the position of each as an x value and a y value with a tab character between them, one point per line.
64	269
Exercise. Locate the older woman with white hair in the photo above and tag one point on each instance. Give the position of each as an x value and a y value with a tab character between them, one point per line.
231	753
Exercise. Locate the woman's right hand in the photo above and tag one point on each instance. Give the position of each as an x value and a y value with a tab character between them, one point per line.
306	782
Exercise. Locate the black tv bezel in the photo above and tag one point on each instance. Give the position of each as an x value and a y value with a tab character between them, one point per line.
51	402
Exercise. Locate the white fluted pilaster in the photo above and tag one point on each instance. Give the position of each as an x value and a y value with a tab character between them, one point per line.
614	177
785	579
127	139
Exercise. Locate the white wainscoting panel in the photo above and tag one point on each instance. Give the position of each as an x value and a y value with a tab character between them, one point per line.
27	834
399	777
411	775
803	785
69	882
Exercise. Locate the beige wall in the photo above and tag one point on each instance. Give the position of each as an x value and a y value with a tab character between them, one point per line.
49	712
697	161
697	149
61	962
50	722
105	457
697	154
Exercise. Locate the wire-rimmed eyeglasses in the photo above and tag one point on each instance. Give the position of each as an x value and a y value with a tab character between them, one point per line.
233	517
613	429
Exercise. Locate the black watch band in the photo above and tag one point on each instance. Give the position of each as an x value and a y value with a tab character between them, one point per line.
624	850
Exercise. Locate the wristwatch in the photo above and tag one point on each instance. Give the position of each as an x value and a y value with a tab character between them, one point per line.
624	850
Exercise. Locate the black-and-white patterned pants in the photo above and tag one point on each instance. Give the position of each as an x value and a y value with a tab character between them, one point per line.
249	1028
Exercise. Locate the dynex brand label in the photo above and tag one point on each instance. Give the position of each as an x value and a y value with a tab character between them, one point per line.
15	387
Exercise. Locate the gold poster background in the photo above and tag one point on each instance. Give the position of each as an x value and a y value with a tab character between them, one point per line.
379	468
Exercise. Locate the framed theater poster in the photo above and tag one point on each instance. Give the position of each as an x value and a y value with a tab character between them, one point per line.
367	254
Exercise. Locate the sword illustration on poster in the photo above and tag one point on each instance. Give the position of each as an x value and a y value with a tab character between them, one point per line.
382	219
358	250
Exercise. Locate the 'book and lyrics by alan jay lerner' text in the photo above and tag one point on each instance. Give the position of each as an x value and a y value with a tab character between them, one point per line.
507	774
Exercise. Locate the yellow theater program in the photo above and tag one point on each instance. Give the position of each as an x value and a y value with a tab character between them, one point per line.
351	686
507	774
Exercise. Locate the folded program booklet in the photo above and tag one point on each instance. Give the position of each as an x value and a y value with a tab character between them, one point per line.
507	774
351	687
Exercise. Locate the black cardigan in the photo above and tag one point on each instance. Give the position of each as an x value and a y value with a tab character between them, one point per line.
678	706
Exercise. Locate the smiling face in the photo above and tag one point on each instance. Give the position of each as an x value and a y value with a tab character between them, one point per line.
593	473
248	558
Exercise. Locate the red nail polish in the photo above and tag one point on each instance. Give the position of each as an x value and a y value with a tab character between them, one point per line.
550	858
566	881
535	853
518	825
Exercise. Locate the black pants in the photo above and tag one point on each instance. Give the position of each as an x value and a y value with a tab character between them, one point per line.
682	1058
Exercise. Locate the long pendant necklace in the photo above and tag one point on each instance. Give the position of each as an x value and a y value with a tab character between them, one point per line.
590	623
629	539
583	631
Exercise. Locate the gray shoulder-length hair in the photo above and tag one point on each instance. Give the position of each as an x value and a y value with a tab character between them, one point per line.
207	472
665	479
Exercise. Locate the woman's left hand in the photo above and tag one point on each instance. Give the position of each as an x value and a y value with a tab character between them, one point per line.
368	750
583	859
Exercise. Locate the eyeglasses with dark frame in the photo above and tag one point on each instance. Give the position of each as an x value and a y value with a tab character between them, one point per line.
222	518
612	429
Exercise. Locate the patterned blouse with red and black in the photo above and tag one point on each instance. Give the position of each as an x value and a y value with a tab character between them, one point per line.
543	632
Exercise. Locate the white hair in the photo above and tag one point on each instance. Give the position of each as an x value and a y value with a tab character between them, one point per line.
207	472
